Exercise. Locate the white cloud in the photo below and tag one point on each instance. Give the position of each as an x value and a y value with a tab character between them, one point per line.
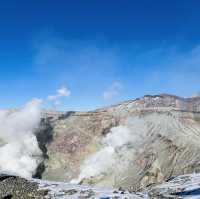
112	91
64	92
60	93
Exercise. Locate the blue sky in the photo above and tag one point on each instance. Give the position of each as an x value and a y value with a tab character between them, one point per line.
92	53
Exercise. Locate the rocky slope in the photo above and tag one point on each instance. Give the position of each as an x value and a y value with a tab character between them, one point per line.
159	138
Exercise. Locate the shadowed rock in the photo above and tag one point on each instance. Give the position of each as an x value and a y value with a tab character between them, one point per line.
15	187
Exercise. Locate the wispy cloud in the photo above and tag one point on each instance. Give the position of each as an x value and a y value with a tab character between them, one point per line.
75	57
62	92
112	91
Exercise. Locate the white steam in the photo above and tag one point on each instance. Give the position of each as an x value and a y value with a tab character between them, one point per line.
117	152
19	151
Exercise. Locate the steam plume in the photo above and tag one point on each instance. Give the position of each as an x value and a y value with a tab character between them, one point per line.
118	148
19	151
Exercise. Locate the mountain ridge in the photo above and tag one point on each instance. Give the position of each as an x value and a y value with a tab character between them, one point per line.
159	148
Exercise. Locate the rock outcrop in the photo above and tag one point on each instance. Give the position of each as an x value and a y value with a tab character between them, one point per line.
164	142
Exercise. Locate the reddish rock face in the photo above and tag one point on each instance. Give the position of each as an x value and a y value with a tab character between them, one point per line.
69	144
164	142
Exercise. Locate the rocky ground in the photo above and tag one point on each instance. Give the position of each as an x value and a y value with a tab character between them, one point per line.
185	186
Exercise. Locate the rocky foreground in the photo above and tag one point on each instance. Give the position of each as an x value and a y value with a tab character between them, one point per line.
185	186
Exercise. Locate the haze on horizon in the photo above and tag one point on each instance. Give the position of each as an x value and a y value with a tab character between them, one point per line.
81	55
